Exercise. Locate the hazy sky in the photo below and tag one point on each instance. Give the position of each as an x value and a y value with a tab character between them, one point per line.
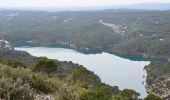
71	3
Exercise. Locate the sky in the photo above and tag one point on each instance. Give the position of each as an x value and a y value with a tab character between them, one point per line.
72	3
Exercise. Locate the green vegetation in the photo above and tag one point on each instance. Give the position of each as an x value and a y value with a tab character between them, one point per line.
17	56
147	47
24	84
127	94
152	97
45	65
85	78
158	78
59	80
11	89
136	32
133	31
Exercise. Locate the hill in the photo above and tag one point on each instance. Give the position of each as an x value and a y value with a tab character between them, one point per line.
106	30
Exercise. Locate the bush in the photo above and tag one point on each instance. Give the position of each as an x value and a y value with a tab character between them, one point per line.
41	83
45	65
12	63
152	97
85	78
129	94
100	93
15	90
65	93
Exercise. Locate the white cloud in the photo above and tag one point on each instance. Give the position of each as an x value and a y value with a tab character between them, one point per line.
70	3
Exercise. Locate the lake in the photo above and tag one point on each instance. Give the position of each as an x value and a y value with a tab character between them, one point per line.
112	70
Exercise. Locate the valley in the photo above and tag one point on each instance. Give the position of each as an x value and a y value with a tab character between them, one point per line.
143	33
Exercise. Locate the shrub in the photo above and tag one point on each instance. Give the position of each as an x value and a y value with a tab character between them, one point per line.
65	93
41	83
129	94
15	90
152	97
85	78
45	65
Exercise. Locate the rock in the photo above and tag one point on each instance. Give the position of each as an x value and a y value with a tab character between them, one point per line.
44	97
5	44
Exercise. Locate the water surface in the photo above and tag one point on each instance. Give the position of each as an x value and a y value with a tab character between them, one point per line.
112	69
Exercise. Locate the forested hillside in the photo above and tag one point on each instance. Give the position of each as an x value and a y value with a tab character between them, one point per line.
128	31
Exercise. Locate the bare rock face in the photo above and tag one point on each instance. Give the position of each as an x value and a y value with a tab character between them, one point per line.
158	79
160	88
5	44
44	97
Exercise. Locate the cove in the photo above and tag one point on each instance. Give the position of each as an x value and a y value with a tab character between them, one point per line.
112	69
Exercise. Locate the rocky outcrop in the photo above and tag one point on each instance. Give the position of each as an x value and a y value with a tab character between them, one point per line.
158	79
44	97
160	88
5	44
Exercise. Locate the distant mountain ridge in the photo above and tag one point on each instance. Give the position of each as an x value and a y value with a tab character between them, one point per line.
142	6
150	6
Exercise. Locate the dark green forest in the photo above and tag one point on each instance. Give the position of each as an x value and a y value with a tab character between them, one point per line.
139	32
